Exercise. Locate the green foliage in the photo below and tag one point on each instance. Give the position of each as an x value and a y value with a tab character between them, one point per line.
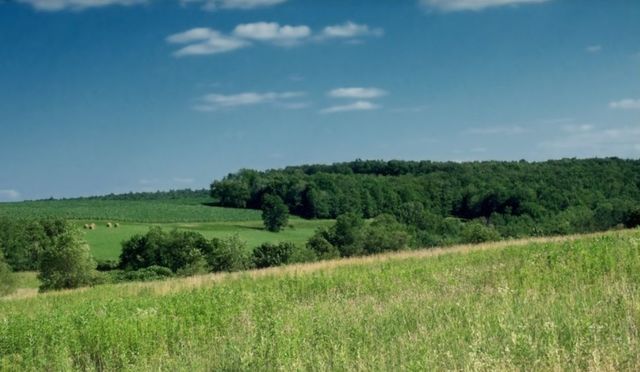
570	305
275	214
479	232
633	218
230	193
385	234
323	249
229	254
540	198
66	263
7	280
346	234
150	273
267	254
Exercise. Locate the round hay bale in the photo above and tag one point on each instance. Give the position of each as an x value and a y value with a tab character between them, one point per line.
116	225
86	225
109	224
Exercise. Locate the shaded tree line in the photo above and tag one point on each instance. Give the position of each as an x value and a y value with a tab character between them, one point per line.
435	199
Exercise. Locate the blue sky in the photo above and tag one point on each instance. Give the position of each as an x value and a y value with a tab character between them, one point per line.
100	96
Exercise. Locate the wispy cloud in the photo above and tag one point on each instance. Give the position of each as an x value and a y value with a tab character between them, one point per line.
623	141
232	4
357	92
500	130
215	101
349	30
206	41
9	195
593	49
625	104
272	32
58	5
475	5
355	106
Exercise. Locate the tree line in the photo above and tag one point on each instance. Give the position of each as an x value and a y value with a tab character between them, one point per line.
436	199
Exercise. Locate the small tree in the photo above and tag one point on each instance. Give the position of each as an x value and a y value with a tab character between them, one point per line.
66	263
275	214
319	244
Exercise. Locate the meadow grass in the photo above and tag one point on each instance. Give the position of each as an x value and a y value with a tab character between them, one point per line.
547	304
105	243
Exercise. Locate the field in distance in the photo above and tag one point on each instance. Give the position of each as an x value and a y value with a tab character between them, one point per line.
105	242
155	211
548	304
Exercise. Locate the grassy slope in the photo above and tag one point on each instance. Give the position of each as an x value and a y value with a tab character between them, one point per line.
564	304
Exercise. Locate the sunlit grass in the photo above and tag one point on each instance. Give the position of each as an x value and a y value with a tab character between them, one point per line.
546	304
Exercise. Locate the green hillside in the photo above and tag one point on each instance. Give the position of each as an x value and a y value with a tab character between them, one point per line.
555	304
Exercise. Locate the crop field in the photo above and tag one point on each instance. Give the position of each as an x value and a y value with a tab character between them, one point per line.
546	304
155	211
105	243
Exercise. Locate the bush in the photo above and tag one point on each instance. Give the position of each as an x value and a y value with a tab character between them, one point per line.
7	280
143	275
302	254
268	254
229	254
323	249
107	265
478	232
67	262
385	234
275	214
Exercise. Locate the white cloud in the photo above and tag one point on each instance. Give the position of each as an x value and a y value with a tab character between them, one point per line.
215	101
9	195
580	128
625	104
357	92
205	41
272	32
593	49
57	5
475	5
350	30
503	130
356	106
233	4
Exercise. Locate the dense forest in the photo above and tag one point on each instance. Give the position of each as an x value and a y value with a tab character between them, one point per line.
437	199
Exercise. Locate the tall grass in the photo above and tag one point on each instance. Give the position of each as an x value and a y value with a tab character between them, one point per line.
571	304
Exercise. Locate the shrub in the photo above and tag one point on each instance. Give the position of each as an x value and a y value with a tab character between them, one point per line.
267	254
141	275
323	249
478	232
385	234
107	265
302	253
66	263
229	254
275	214
7	280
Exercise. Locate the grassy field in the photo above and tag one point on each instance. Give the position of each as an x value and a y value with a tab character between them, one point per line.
153	211
550	304
135	217
105	242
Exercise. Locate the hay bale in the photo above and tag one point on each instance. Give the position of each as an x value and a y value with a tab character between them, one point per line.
92	226
116	225
109	224
86	225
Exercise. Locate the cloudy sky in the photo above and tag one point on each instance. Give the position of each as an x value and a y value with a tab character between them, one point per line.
100	96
